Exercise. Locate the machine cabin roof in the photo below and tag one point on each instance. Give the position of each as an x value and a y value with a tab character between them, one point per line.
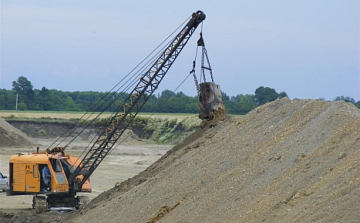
34	158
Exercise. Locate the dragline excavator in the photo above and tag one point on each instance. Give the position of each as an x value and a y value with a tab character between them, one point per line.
55	178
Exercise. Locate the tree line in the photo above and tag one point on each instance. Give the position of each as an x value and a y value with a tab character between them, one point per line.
167	101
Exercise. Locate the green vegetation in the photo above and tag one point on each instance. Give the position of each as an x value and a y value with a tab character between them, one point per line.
30	99
165	130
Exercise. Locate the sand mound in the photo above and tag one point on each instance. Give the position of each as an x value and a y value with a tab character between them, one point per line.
11	136
286	161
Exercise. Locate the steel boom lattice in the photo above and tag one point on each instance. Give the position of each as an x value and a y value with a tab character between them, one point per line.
146	86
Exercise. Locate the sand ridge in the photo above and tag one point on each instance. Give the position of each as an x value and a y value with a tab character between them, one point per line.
286	161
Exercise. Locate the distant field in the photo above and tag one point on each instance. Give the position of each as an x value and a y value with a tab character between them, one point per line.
73	115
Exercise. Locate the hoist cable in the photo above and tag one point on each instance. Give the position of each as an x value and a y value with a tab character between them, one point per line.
166	99
135	78
98	105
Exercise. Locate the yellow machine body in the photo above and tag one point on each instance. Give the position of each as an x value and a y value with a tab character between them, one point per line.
25	174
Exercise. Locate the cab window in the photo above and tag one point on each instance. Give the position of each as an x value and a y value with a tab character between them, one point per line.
60	177
56	165
35	171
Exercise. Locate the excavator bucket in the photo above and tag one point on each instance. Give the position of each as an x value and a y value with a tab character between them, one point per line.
210	101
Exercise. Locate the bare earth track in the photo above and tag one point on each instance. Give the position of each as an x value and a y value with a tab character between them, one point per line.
286	161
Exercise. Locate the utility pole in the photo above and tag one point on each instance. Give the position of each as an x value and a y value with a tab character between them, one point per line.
17	98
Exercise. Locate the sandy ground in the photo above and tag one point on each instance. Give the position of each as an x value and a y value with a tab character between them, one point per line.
122	163
286	161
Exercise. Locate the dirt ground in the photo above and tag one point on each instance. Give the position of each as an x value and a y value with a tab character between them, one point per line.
127	160
286	161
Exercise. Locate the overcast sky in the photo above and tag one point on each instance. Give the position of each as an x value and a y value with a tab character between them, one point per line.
309	49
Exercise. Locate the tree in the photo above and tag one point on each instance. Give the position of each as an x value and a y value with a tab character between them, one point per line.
10	99
22	85
282	95
246	104
70	105
2	102
180	94
225	97
265	94
236	98
357	104
22	106
346	99
165	103
43	101
24	88
167	94
56	103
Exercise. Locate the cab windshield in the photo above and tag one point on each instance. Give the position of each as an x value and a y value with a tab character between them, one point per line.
59	175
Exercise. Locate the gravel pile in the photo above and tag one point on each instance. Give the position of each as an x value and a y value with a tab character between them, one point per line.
286	161
12	137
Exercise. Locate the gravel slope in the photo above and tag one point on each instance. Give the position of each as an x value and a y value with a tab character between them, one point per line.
286	161
11	136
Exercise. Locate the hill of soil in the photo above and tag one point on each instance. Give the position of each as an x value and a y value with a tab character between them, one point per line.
286	161
12	137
